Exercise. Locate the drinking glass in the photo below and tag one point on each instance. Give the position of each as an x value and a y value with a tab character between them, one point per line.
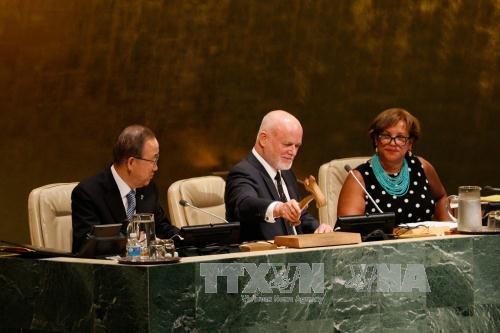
468	203
144	225
494	220
163	248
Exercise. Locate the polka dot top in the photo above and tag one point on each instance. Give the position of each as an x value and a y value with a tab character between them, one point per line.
416	205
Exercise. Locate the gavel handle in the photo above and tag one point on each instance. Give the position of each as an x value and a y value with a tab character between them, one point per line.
306	201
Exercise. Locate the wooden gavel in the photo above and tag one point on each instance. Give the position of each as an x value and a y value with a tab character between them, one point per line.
312	187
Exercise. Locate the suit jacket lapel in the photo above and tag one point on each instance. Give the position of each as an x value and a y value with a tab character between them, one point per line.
272	188
291	185
114	199
140	201
267	179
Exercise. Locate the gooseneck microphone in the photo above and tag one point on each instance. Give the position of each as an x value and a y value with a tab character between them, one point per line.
184	203
348	168
491	189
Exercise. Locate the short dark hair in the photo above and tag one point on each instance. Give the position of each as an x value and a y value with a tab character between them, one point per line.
390	117
130	143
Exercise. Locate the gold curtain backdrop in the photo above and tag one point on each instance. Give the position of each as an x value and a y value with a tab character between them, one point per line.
201	74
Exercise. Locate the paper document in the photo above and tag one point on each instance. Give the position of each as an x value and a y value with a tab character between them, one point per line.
449	224
491	198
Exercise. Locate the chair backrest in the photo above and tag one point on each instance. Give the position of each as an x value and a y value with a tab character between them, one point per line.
203	192
49	211
331	177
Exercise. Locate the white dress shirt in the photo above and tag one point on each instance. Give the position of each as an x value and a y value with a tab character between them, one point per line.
272	173
122	186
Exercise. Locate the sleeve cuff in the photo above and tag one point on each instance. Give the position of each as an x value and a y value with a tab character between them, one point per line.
269	212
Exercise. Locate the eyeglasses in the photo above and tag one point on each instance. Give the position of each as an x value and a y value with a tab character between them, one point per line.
386	139
155	161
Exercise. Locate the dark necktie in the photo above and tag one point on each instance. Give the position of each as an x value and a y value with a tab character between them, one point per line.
281	193
130	204
286	227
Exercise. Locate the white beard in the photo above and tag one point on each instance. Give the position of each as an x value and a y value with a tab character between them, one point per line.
283	165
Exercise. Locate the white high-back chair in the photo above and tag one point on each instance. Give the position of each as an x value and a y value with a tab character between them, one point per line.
205	192
49	211
331	177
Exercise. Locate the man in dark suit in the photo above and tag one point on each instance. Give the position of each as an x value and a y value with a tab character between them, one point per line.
122	189
261	190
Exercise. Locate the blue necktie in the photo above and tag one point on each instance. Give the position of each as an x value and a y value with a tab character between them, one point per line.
130	204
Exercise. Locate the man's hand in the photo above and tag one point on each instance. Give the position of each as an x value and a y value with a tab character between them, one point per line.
323	228
289	210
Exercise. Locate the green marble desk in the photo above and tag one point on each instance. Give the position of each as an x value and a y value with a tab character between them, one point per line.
63	294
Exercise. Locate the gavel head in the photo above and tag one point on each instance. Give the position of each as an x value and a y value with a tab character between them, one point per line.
313	188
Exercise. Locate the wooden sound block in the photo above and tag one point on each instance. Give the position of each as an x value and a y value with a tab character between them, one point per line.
317	240
258	246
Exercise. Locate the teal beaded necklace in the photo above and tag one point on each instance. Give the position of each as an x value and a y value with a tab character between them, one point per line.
397	185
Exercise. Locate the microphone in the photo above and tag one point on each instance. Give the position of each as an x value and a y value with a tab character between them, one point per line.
184	203
348	168
491	189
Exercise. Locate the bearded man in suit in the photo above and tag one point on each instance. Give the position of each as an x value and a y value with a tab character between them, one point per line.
123	188
261	190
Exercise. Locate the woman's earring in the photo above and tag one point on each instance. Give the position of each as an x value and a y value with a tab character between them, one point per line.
376	150
410	153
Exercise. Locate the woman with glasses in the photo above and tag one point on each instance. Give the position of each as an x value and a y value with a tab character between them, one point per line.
397	180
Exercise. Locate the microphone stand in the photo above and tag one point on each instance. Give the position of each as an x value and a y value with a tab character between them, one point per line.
184	203
348	168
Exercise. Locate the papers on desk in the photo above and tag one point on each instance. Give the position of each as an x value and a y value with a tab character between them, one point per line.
424	229
491	198
449	224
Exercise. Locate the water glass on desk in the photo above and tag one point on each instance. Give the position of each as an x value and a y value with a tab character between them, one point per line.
144	226
468	203
494	220
163	248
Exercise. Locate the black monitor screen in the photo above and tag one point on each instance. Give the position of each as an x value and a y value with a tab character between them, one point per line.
367	224
104	240
209	235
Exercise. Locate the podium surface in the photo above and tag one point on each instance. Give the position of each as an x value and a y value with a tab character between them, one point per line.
448	284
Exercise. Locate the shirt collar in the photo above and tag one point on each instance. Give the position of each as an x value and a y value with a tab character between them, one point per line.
270	170
122	186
